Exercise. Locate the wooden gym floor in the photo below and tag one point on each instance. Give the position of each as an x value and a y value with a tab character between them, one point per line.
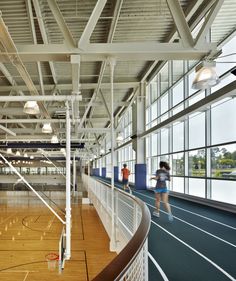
29	231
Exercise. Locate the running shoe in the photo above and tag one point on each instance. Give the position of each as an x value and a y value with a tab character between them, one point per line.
156	214
170	217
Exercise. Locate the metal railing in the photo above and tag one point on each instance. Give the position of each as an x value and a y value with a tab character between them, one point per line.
132	223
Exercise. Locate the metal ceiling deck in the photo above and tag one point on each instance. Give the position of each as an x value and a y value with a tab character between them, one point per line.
133	23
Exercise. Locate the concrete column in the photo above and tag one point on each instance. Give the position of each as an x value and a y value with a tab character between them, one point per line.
116	173
103	172
138	144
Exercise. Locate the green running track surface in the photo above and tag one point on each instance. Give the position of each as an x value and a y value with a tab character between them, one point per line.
199	245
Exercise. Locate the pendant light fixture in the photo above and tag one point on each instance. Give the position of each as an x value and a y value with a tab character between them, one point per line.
47	129
206	76
31	107
54	139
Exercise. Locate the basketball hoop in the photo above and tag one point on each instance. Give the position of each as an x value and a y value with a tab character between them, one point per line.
52	259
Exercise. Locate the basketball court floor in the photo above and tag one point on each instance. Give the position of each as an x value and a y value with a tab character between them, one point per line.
30	234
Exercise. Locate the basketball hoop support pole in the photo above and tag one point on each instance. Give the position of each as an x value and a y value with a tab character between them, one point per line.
68	191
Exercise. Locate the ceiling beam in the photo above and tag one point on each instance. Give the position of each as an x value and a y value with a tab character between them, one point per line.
181	23
116	15
10	79
32	27
53	120
16	111
105	104
75	69
41	145
10	132
69	40
143	51
41	98
90	26
201	37
194	13
41	138
9	47
44	35
93	97
31	120
83	86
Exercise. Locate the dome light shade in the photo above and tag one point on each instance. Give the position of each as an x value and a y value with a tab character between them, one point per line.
31	107
206	76
9	151
47	129
54	139
119	138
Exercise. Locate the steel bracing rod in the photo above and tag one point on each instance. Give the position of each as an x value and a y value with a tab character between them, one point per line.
35	192
39	17
75	67
10	132
32	26
111	33
68	192
113	238
180	22
189	14
9	47
89	28
201	37
69	40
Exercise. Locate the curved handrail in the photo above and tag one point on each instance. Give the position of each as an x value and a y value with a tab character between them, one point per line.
118	266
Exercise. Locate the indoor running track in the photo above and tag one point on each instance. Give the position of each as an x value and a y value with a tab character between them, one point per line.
199	245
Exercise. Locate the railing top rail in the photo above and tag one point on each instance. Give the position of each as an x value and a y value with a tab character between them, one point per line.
117	267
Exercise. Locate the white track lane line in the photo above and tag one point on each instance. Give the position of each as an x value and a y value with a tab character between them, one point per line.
158	267
226	225
198	228
197	252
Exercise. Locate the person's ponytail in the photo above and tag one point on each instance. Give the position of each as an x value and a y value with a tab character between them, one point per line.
165	165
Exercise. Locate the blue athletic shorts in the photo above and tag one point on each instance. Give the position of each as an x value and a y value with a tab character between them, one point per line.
125	181
160	190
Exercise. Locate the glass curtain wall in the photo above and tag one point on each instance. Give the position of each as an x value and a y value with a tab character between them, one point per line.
201	149
126	154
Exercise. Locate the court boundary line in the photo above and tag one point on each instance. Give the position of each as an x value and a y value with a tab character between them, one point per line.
27	273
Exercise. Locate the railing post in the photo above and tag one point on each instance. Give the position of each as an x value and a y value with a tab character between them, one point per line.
145	260
116	216
135	218
74	174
